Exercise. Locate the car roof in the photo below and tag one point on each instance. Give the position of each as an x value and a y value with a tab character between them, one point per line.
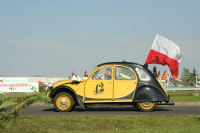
124	63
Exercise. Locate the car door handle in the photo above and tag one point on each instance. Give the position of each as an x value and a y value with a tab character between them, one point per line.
110	82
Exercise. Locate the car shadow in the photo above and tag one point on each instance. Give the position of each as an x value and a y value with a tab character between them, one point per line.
117	109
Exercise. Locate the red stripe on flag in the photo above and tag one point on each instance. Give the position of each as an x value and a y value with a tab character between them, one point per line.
156	57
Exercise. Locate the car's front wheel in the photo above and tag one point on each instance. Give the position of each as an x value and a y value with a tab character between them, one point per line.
146	106
63	102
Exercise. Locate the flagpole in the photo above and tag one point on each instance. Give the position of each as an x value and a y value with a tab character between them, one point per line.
154	41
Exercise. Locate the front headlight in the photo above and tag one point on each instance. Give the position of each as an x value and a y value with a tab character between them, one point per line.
49	86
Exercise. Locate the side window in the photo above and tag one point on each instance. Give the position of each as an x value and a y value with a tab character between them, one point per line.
104	73
143	75
122	73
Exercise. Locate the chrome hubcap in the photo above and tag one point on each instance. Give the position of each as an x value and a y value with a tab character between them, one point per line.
63	102
146	103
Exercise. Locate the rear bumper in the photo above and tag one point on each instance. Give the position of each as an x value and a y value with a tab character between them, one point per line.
170	102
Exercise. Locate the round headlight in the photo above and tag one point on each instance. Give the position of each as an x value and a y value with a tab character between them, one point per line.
50	85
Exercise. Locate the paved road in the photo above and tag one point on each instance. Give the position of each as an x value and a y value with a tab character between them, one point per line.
49	110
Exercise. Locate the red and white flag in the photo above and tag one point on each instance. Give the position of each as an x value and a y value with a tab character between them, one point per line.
165	52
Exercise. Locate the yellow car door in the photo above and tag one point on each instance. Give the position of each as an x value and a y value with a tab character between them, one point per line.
125	83
99	86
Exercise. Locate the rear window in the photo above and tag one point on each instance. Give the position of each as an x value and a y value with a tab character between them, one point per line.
143	75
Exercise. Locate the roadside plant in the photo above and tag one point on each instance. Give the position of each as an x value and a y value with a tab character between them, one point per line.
15	111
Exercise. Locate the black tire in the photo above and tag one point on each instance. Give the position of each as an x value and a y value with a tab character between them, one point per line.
63	102
146	106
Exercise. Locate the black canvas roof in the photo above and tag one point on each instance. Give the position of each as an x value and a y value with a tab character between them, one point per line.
125	63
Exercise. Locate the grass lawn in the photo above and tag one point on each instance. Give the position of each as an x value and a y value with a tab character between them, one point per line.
107	124
186	98
85	124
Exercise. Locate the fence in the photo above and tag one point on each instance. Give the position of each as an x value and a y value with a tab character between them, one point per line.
183	88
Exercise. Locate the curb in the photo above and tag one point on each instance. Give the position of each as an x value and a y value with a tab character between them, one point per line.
187	103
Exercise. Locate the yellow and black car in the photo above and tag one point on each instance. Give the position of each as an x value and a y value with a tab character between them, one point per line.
111	83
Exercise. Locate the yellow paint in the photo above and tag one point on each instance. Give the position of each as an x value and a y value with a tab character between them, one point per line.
100	101
123	88
99	89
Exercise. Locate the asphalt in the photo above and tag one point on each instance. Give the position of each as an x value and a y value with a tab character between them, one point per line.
176	103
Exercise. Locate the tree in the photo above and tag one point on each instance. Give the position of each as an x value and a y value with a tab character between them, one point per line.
188	78
124	60
185	77
193	77
194	72
155	71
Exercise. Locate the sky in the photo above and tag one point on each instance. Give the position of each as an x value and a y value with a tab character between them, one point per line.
51	38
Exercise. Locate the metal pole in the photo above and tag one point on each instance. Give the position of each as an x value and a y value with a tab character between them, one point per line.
196	80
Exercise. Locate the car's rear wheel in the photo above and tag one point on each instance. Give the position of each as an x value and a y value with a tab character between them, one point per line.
146	106
63	102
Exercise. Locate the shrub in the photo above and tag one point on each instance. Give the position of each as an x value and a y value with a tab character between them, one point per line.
42	89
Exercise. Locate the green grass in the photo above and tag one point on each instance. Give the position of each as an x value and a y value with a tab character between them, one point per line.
17	94
107	124
15	97
182	92
120	123
186	98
